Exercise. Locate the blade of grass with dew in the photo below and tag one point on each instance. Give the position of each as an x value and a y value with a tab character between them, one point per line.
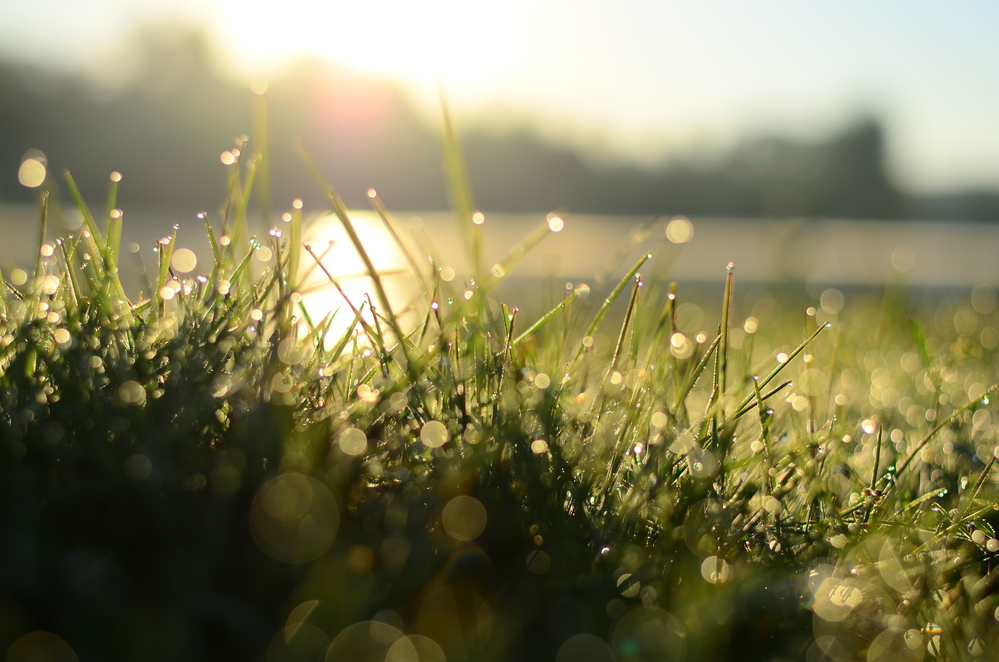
608	302
111	201
294	265
939	492
243	268
374	337
874	473
979	484
230	225
530	241
695	374
620	443
547	317
636	327
622	334
766	396
780	367
165	255
95	238
723	345
97	245
4	308
115	222
341	212
628	246
932	433
460	190
94	243
43	224
763	415
393	229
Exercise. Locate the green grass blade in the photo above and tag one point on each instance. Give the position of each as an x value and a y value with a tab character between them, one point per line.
294	262
505	266
749	406
92	238
944	423
340	210
112	197
609	301
723	345
780	367
43	224
624	323
262	141
393	229
165	255
549	316
460	190
699	368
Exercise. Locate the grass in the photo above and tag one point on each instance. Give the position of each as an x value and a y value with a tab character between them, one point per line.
210	474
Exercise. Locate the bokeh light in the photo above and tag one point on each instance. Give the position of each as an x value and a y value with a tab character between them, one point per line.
31	173
184	260
41	646
370	641
353	441
680	230
433	434
294	518
464	518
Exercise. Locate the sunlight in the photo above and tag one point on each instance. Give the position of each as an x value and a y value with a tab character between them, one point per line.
330	242
424	42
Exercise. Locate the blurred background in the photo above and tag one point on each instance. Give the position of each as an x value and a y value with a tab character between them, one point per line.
778	124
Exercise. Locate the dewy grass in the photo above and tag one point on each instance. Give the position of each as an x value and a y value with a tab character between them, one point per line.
203	474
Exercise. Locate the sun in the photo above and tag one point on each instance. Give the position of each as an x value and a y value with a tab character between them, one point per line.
455	43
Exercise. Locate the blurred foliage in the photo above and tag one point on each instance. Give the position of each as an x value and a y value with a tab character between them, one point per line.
210	473
175	106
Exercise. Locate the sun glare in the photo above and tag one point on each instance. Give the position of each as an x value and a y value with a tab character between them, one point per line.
329	241
420	42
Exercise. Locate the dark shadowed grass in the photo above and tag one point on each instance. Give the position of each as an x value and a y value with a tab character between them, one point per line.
208	473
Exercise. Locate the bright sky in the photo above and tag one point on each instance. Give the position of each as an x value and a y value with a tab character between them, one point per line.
641	79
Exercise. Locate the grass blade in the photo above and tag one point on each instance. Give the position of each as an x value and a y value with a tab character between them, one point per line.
42	228
609	301
547	317
460	190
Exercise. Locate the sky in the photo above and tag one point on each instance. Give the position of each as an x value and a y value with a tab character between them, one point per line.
632	80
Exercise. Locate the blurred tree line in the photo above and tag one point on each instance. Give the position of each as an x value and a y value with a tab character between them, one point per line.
165	130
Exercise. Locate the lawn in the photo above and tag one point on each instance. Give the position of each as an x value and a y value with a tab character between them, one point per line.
208	472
